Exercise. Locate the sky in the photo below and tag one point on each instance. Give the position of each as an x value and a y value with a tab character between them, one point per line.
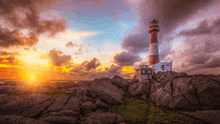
88	39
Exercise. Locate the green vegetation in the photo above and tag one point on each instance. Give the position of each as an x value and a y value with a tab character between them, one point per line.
153	79
141	111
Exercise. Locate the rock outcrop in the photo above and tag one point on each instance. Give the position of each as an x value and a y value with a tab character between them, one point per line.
196	95
108	92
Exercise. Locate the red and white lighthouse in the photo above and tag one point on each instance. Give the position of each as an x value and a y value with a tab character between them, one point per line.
154	49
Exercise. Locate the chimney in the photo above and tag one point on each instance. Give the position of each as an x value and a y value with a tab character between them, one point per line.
154	48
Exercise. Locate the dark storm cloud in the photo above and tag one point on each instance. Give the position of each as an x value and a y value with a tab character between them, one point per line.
198	59
23	14
126	59
5	53
136	43
213	63
93	64
170	14
203	28
70	44
57	58
115	69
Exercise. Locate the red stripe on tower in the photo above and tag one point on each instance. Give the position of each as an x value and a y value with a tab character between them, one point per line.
154	49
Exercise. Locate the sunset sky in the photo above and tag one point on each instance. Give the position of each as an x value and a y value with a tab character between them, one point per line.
87	39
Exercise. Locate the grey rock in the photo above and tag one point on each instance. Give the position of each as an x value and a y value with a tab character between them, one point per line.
6	89
133	81
58	103
59	119
119	81
165	101
14	119
180	102
73	104
139	88
24	104
108	80
100	103
109	93
144	97
36	109
88	93
87	98
119	118
68	113
211	116
7	99
87	107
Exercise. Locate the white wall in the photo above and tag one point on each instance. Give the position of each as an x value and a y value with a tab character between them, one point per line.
158	66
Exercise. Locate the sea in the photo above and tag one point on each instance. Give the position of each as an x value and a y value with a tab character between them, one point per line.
2	81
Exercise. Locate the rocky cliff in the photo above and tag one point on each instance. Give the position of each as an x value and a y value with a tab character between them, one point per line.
195	95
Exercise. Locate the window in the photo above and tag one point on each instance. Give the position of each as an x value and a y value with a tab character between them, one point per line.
148	71
144	66
167	65
143	71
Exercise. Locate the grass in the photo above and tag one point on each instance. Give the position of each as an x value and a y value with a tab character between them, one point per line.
140	111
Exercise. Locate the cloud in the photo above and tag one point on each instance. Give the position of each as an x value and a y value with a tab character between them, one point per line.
57	58
93	64
170	14
136	43
70	44
6	53
126	59
20	15
203	28
79	52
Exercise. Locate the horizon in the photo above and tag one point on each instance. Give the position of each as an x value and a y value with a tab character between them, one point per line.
89	39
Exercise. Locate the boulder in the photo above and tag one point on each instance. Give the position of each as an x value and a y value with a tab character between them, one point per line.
87	93
87	98
72	104
24	104
180	103
6	89
109	93
139	88
14	119
119	81
59	119
208	92
100	103
68	113
133	81
210	116
87	107
7	99
108	80
36	109
58	103
13	83
165	100
103	118
119	119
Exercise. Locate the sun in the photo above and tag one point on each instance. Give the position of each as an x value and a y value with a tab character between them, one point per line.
32	78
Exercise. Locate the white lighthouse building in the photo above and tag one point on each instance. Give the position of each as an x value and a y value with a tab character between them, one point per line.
154	63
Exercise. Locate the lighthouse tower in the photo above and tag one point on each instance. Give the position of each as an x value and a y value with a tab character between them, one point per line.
154	50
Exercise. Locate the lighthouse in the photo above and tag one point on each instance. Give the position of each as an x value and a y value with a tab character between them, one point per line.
154	49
